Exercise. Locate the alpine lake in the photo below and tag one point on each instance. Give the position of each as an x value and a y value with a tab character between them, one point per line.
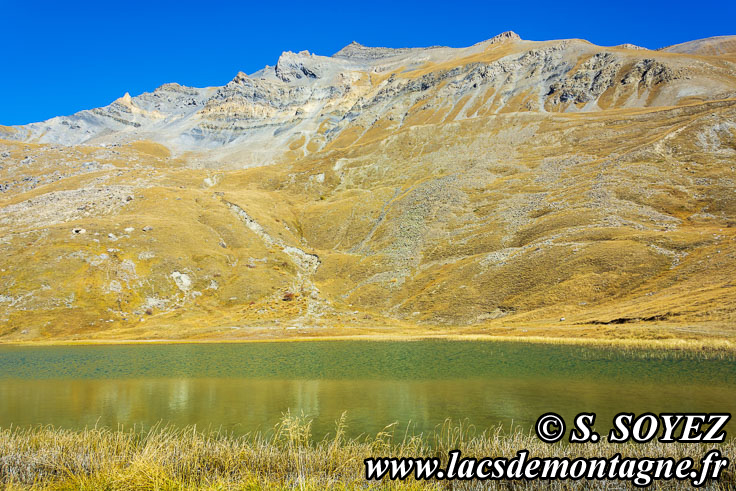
414	385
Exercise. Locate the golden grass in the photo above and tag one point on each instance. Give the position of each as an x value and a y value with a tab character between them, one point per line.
286	457
151	148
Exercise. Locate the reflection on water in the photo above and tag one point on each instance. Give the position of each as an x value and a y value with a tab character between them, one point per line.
243	387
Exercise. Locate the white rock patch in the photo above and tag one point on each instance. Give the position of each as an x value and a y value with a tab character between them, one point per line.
183	282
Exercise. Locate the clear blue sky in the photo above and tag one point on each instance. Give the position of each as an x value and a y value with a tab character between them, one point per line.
63	56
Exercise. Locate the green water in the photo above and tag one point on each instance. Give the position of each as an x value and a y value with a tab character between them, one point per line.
244	387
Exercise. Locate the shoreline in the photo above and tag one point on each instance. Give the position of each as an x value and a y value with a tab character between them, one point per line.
706	345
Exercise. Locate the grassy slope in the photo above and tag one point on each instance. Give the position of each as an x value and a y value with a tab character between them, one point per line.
472	216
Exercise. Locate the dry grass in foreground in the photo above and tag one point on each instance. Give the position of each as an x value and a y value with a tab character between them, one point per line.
169	458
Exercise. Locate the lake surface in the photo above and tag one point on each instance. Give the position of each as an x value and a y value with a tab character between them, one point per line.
244	387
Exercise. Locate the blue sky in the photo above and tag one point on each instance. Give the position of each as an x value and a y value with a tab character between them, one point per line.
61	57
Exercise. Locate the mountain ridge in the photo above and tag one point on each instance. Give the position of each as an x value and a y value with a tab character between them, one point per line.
189	119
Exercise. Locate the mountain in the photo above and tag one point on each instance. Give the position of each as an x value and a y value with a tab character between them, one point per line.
553	188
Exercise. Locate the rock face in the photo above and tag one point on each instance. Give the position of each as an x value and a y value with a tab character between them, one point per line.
510	183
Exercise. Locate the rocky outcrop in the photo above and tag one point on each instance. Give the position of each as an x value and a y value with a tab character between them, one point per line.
293	66
356	51
588	82
504	37
649	72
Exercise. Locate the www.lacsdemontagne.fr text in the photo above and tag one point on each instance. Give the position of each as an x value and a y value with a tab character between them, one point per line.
639	471
550	427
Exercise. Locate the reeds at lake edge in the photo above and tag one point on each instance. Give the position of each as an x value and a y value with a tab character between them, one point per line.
287	458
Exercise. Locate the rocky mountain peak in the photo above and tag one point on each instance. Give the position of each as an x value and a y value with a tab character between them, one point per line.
297	66
240	77
125	100
504	37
